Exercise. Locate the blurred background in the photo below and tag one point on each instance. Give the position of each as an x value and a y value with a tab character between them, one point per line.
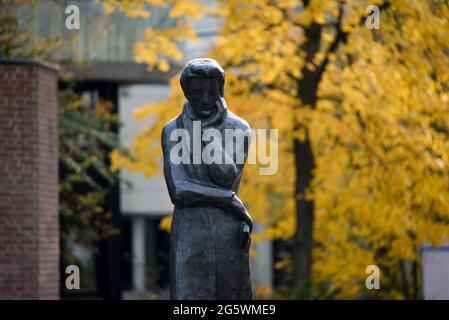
358	91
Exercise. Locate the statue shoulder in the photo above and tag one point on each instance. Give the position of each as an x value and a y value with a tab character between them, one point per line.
236	122
169	126
167	129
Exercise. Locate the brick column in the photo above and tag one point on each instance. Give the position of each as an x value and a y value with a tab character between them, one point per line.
29	220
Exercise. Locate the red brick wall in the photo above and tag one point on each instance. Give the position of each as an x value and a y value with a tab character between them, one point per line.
29	222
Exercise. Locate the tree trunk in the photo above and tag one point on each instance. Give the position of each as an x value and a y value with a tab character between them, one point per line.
303	240
304	163
304	160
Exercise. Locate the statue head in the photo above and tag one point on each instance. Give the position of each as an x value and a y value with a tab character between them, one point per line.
202	81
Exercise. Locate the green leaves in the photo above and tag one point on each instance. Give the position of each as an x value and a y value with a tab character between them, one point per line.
87	135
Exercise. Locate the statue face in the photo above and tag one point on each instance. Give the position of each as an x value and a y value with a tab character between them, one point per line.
202	95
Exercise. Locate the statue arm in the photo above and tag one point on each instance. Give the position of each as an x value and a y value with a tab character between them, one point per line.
184	190
227	174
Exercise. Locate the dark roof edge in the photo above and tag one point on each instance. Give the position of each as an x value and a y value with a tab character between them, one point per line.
52	67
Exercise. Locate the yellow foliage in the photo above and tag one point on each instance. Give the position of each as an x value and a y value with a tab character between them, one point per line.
165	223
160	44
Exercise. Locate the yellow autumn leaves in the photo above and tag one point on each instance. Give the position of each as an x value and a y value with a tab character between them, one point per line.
160	43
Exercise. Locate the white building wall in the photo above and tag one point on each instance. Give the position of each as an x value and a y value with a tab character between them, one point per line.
261	266
140	197
145	196
436	273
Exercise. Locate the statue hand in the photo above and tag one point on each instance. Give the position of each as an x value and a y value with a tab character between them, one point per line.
246	235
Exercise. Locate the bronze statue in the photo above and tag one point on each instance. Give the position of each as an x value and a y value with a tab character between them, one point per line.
210	234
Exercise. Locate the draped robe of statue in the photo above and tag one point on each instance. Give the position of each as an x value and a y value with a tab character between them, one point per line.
207	257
